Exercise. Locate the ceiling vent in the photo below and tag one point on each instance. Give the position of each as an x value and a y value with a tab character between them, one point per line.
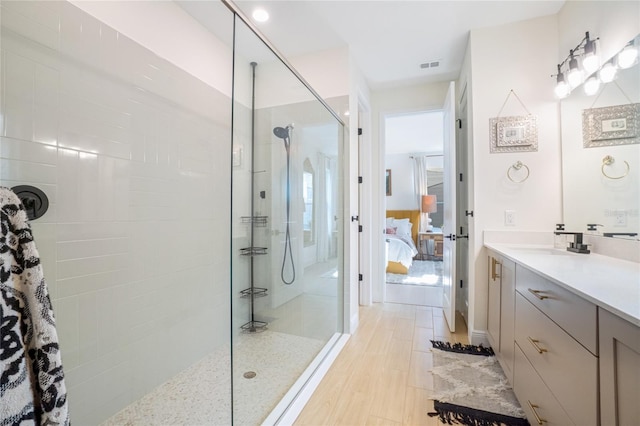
430	64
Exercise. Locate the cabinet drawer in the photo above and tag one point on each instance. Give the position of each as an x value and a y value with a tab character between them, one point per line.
575	315
533	394
568	369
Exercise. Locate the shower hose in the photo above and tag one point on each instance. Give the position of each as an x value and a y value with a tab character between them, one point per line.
287	236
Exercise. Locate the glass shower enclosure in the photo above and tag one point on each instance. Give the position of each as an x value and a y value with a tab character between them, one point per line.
286	297
192	246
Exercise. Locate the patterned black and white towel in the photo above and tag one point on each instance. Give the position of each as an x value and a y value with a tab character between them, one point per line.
32	388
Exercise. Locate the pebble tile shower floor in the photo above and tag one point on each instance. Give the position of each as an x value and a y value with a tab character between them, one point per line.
200	394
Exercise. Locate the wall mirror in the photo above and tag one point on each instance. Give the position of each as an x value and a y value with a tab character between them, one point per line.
601	156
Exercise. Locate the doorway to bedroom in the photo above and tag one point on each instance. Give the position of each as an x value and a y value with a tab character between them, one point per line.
414	163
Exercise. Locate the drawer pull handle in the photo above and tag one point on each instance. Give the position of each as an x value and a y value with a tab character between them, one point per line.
535	413
534	343
537	294
494	274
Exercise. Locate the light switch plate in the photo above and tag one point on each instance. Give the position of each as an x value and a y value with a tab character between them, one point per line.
510	218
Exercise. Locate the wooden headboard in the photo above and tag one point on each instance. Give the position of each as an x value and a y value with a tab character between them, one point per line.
412	215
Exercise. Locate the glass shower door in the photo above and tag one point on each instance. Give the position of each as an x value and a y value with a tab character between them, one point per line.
287	292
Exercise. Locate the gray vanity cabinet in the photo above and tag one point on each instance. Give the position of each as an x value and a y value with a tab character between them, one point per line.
500	321
619	371
556	331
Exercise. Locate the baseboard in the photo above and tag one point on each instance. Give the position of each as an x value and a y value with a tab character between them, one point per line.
478	338
353	324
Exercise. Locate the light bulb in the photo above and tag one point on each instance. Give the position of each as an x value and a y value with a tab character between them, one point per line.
562	90
627	57
575	74
592	85
575	78
608	72
590	63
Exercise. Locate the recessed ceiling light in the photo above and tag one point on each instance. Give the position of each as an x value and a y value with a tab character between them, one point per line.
260	15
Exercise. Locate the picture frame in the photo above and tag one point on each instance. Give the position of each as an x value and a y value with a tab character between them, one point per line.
388	182
610	126
513	134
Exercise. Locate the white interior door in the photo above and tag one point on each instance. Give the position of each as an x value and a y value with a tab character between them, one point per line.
449	227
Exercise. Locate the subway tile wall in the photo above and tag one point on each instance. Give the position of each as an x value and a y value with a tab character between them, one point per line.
134	155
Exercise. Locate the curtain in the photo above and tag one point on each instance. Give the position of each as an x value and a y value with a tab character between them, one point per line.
324	208
421	187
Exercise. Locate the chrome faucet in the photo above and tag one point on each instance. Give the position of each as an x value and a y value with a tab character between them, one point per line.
577	246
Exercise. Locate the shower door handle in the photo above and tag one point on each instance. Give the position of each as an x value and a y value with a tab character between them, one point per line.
355	218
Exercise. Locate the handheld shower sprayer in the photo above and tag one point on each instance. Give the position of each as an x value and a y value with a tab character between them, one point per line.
283	133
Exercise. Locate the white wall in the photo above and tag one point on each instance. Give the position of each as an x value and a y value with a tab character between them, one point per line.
328	72
403	195
149	22
521	57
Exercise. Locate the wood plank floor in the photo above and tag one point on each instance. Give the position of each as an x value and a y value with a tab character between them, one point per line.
382	377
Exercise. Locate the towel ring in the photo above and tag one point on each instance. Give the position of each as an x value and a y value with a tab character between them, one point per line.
609	160
517	166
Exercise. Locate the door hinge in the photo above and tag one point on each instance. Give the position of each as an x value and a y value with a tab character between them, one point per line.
359	131
360	278
468	213
359	228
359	179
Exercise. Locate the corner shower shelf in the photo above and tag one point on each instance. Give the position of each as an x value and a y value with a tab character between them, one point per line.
253	251
254	291
254	326
258	221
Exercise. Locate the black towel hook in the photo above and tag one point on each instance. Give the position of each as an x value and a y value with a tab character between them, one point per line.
34	200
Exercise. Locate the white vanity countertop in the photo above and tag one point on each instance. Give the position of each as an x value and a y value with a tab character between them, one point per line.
610	283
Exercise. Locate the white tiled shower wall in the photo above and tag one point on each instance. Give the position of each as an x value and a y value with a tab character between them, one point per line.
133	154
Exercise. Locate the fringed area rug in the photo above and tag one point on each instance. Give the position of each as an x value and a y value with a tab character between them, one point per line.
471	389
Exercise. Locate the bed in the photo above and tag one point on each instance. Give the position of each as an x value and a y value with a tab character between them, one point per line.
401	236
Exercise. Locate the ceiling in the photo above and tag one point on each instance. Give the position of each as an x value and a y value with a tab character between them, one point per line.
389	39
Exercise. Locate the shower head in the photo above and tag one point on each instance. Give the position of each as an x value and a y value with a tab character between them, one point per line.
281	132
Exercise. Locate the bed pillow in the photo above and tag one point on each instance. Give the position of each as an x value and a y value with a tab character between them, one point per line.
403	227
390	222
390	231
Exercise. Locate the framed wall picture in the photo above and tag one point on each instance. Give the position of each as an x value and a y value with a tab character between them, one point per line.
608	126
388	181
514	134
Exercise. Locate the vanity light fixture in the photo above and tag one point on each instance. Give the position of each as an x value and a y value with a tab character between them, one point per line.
571	72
